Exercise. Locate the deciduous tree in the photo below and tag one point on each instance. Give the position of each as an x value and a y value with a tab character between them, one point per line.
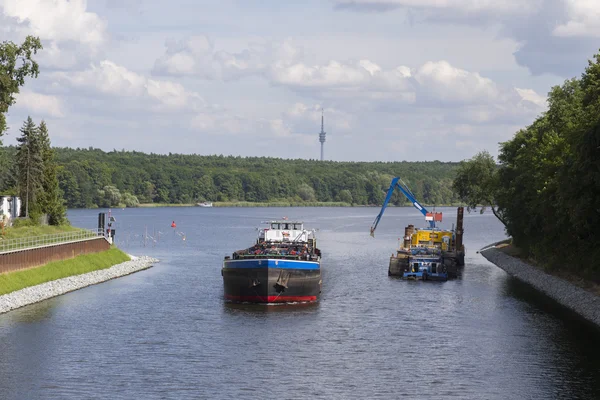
16	64
476	183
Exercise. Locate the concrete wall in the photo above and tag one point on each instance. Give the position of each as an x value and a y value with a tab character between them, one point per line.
22	259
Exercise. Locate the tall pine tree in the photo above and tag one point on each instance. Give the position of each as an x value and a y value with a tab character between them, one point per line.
50	201
30	167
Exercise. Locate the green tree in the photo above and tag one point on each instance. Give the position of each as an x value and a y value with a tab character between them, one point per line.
109	196
306	192
16	64
130	200
345	196
547	186
476	183
51	200
30	167
69	186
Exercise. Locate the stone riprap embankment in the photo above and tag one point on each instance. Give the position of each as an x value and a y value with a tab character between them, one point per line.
582	302
55	288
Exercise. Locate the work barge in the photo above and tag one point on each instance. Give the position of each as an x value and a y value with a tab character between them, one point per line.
429	253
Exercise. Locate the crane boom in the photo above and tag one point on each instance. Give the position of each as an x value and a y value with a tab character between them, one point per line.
397	183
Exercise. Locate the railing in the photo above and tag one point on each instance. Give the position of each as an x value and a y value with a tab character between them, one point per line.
45	240
300	257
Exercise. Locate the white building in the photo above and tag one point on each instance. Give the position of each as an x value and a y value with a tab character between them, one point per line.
10	206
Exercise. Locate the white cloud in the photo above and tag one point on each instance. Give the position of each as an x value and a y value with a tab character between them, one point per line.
532	97
57	20
306	119
512	106
334	74
584	19
197	56
443	82
462	6
228	124
112	79
298	125
38	103
357	86
553	36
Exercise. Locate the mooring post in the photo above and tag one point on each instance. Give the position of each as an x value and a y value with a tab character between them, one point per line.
459	228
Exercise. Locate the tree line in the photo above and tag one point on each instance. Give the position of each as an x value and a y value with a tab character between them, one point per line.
545	187
95	178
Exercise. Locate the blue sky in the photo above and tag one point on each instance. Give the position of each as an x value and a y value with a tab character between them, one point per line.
397	79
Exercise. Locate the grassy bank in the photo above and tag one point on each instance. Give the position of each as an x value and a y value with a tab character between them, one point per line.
27	231
582	281
61	269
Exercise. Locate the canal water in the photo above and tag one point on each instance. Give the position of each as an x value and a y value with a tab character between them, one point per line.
167	333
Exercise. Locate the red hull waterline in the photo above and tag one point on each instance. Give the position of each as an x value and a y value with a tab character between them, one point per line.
271	299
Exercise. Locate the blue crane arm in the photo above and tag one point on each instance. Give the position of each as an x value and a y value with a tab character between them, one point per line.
397	183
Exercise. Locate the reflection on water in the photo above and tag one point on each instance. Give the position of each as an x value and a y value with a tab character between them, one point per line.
33	313
168	333
237	308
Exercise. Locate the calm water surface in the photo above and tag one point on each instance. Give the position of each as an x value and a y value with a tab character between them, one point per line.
167	333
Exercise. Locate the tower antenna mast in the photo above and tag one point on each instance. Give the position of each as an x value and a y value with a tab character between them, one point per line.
322	135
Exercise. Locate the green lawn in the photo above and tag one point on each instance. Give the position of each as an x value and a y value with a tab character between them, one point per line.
12	281
27	231
33	236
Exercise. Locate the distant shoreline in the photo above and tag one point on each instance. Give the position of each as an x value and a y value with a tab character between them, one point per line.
276	204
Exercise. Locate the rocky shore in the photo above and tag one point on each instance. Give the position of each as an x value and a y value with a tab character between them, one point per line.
565	293
47	290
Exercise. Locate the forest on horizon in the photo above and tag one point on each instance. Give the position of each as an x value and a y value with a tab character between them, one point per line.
92	178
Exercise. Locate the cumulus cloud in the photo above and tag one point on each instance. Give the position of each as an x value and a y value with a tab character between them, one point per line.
532	97
116	80
553	36
464	7
197	56
435	85
306	119
57	20
230	124
440	81
40	104
584	19
353	86
297	125
71	35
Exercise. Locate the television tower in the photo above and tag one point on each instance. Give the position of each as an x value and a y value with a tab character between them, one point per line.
322	135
